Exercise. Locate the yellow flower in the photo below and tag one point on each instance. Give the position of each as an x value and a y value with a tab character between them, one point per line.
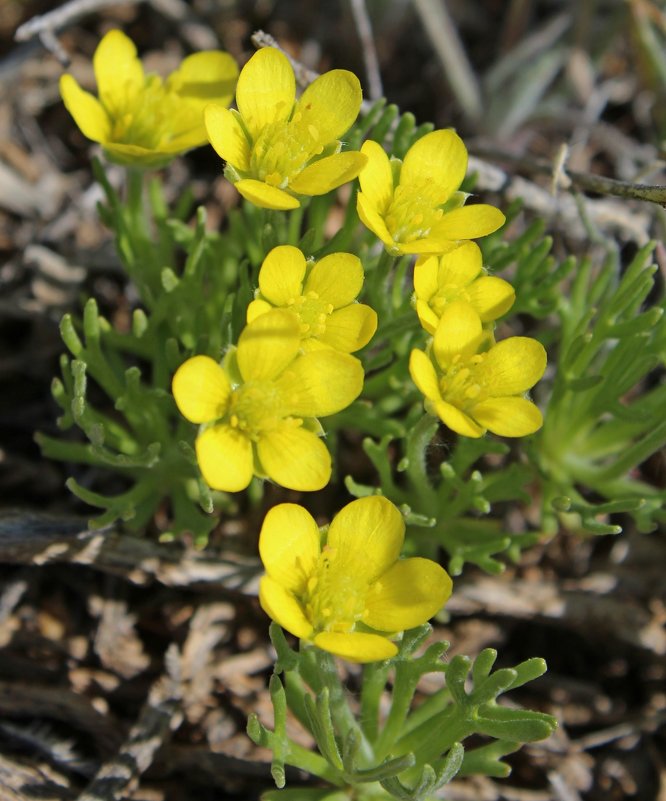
139	119
414	206
276	147
472	391
259	408
350	594
458	275
324	302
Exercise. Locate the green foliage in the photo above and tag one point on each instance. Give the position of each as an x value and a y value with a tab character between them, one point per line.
132	426
605	416
405	754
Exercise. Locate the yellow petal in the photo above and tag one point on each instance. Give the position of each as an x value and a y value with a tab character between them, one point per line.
427	317
267	345
289	545
201	389
468	222
425	277
266	90
225	458
295	458
428	245
457	420
491	297
205	77
438	159
118	71
227	136
320	383
367	534
281	606
376	178
87	111
459	333
328	173
188	132
357	646
138	156
329	105
423	375
461	265
266	196
512	366
508	417
281	275
407	595
351	328
372	220
337	279
256	308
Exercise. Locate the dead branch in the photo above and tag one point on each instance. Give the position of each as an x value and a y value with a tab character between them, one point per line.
159	716
588	182
571	213
37	539
364	28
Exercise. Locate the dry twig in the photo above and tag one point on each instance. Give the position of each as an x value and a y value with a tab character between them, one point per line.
364	28
159	716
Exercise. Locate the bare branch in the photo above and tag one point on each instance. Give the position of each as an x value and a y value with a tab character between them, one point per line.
159	716
364	28
586	181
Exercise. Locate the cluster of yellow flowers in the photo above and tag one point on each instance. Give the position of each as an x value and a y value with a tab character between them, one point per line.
344	588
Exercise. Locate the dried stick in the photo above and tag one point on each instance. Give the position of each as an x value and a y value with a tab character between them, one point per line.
159	716
586	181
45	25
364	28
443	36
566	209
39	539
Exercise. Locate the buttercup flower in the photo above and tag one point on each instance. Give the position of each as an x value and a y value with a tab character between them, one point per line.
139	119
258	410
323	302
458	275
351	593
472	391
414	206
276	147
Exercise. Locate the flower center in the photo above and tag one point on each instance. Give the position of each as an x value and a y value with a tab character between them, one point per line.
412	212
334	600
282	150
447	294
255	408
141	116
312	312
460	385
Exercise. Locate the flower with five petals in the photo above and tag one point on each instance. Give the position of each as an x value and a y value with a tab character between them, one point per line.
322	295
258	409
141	120
414	206
471	391
459	275
277	147
347	591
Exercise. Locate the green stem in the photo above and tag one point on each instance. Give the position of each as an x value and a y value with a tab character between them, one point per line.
403	692
341	713
374	681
